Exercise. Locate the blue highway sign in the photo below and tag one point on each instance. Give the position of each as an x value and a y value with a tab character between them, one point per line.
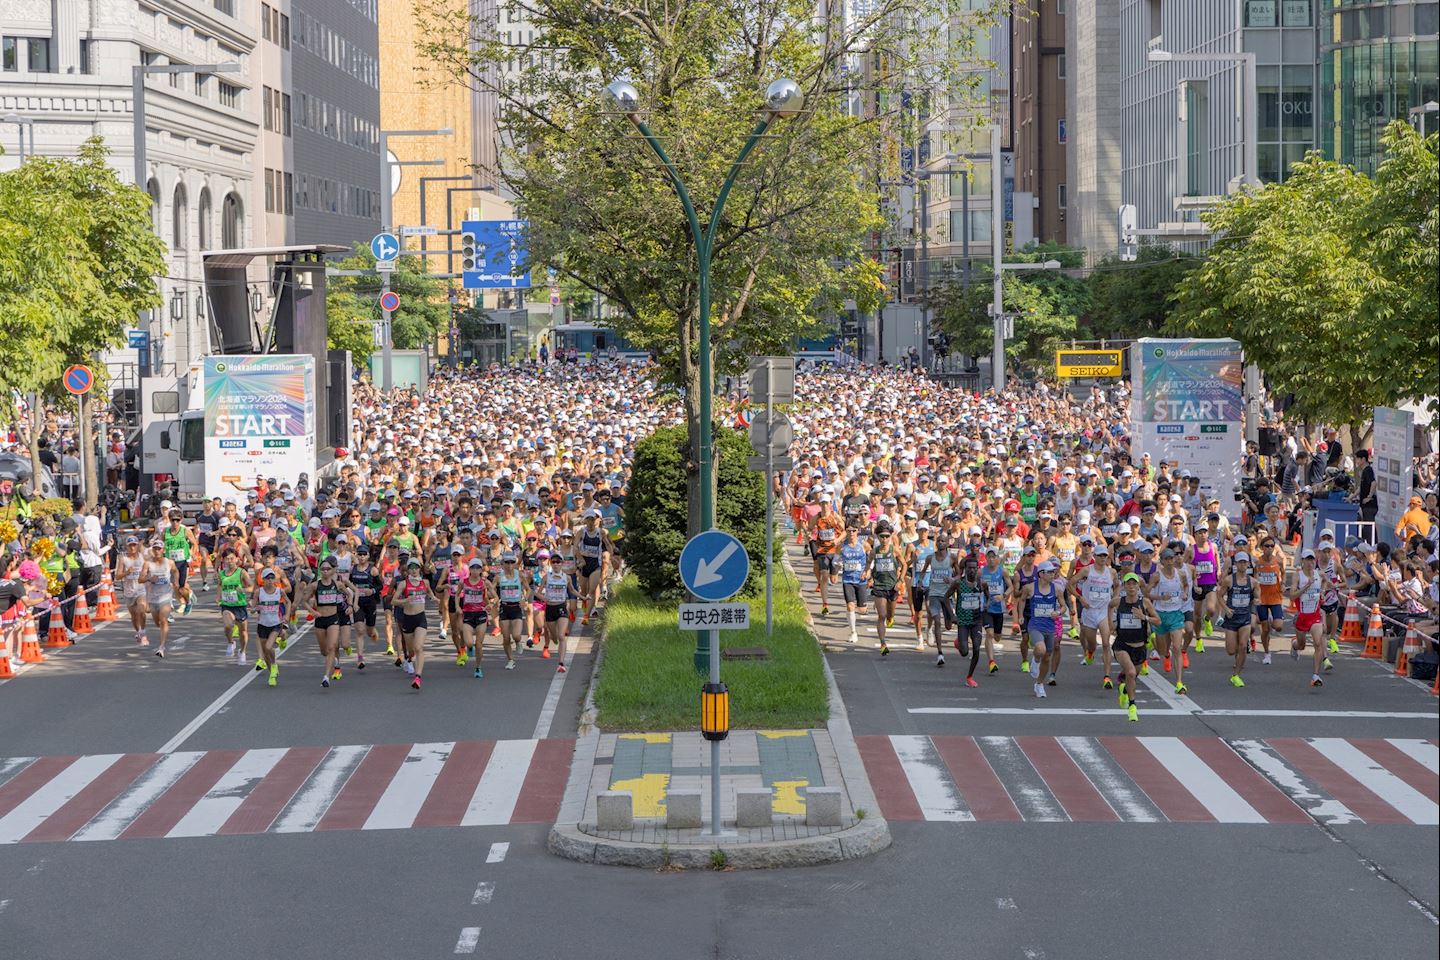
502	254
385	246
714	565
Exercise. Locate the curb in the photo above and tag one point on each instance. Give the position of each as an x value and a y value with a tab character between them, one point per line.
865	838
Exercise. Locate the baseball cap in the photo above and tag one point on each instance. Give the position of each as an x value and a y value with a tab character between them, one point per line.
1242	558
1129	577
1307	553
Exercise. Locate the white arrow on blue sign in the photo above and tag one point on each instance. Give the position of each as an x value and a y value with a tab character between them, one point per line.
385	246
714	565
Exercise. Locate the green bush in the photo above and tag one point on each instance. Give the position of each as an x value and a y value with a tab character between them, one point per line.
656	508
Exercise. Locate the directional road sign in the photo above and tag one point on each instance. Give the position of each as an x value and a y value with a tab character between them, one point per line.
772	380
390	300
385	246
714	565
772	429
419	231
78	379
502	254
137	339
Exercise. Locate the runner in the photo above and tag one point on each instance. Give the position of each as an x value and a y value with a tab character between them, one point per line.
269	601
179	543
1270	574
159	577
1045	606
235	589
411	592
594	548
939	571
558	592
884	575
854	558
513	590
1237	604
475	598
970	630
1093	589
132	591
1168	589
327	601
1134	615
1309	620
825	533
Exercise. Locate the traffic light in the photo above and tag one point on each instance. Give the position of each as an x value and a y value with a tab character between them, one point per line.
469	252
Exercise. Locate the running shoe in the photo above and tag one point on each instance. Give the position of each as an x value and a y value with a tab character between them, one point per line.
444	634
360	664
259	665
1145	669
853	638
399	661
415	682
560	669
140	639
1050	680
529	641
1132	713
889	623
509	664
283	640
1165	668
884	650
241	660
350	651
1265	660
1236	682
824	610
479	674
1333	646
585	620
186	607
940	660
1252	646
335	674
970	682
1040	691
1033	669
460	659
1185	659
1181	688
1074	633
1209	627
160	654
274	674
325	682
1199	644
1107	683
409	668
545	654
1124	698
1087	659
389	650
994	667
1294	651
230	651
1327	664
1315	680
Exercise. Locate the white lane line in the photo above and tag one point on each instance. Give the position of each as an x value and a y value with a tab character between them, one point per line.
552	701
499	788
1422	752
1307	795
1336	714
1118	790
929	779
59	791
211	811
1005	903
189	729
469	940
309	805
497	852
1046	711
1026	787
484	893
1172	711
113	820
1163	689
1379	781
1204	784
13	765
407	790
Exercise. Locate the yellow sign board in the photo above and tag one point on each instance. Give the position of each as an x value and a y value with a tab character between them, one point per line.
1087	363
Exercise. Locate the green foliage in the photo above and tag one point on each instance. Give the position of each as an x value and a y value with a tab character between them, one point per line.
656	514
1049	304
78	261
1328	281
352	304
648	679
1133	299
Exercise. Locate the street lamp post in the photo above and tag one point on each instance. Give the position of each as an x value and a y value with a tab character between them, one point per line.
1250	114
1417	118
386	215
782	99
21	123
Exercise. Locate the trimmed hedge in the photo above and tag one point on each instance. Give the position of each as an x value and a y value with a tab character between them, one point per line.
656	508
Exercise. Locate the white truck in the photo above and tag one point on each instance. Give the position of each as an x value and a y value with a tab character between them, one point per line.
172	428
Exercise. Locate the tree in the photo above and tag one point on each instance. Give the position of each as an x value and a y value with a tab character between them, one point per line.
1328	281
352	305
78	262
600	207
1047	304
1133	299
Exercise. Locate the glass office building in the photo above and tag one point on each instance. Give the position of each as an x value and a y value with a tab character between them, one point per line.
1377	61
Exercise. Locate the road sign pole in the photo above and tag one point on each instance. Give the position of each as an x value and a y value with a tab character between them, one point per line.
85	455
769	507
386	357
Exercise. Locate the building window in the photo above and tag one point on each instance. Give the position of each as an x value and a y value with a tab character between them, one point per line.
265	107
1060	8
203	219
1261	13
10	58
269	190
1064	193
1152	9
229	95
1060	66
285	114
85	54
1295	13
226	7
1061	132
38	50
201	81
231	221
152	187
265	22
179	219
284	32
1197	138
289	194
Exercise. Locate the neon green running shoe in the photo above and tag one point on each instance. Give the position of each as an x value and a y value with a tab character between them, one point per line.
1133	713
1235	681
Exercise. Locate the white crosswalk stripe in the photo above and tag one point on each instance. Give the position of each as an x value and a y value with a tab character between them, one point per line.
935	791
1204	784
1379	781
59	791
407	791
220	801
499	788
115	818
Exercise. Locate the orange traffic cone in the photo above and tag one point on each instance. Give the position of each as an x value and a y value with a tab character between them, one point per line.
6	670
105	600
1374	636
1351	630
30	643
1410	648
58	635
82	623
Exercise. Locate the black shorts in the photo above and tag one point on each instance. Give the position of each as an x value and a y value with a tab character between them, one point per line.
856	593
1135	651
589	565
511	611
322	623
1235	623
1202	590
410	622
1330	607
825	561
207	542
995	621
239	613
917	598
555	611
345	618
474	618
366	610
267	632
974	631
883	593
182	568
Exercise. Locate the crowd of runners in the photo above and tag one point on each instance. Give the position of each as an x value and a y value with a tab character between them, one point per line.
494	501
980	520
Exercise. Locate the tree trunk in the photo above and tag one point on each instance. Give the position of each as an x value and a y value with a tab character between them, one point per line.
32	441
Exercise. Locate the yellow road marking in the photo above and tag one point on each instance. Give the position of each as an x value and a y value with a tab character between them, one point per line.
787	796
647	737
777	734
648	793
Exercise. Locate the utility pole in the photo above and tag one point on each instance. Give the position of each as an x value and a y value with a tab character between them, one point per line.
997	254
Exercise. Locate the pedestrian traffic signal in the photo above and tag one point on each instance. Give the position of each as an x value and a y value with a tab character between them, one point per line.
469	252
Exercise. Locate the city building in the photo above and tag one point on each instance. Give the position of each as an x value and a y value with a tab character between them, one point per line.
1092	111
1038	128
1378	61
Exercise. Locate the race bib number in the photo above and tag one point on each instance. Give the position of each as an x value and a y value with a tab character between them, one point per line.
884	565
1269	579
970	601
1204	566
474	596
851	566
1128	621
827	534
510	594
230	597
177	554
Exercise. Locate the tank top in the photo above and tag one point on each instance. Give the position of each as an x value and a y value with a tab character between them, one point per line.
1271	589
232	589
177	545
922	553
1098	587
993	582
882	570
1044	608
130	574
1240	598
1023	580
362	578
1310	590
592	545
329	595
968	599
1204	562
1168	592
272	602
510	589
1130	625
472	595
555	587
942	571
852	563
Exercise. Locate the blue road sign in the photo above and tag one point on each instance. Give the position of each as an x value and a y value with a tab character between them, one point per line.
385	246
138	339
714	565
502	254
78	379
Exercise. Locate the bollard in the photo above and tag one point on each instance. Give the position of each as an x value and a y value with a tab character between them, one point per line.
753	807
615	810
822	806
682	810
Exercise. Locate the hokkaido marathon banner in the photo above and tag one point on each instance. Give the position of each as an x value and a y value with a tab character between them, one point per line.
1188	399
259	422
